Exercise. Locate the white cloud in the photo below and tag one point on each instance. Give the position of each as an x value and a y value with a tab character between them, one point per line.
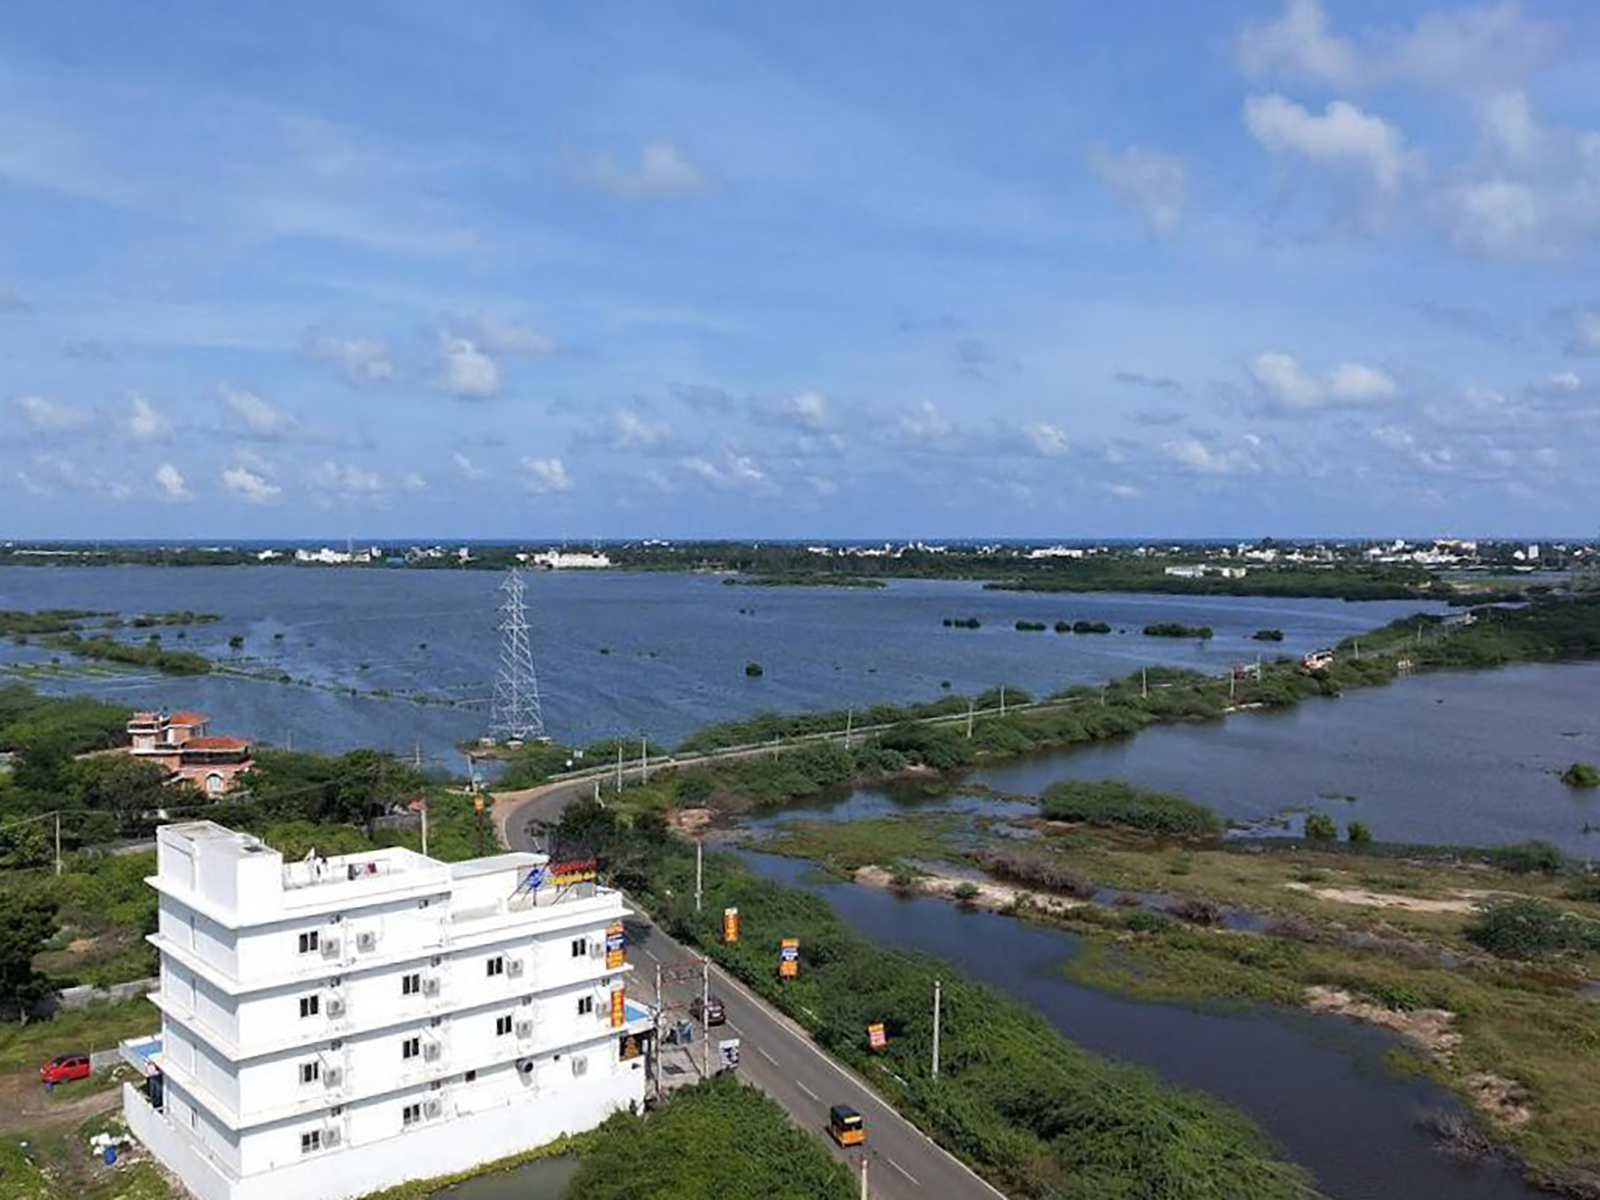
171	482
346	479
358	361
822	486
1196	456
1122	491
701	467
1047	439
924	423
469	470
259	417
1474	48
1155	184
743	469
630	431
414	482
1496	217
1342	135
1509	127
50	416
1288	387
146	424
808	410
249	485
1565	381
1299	43
662	173
1475	408
1580	327
469	373
502	337
738	470
546	475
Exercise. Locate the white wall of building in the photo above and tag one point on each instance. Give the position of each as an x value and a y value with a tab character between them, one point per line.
348	1011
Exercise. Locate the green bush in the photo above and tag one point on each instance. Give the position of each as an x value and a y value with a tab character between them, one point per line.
1319	827
1112	802
1172	629
1527	858
1526	928
1358	834
1581	775
754	670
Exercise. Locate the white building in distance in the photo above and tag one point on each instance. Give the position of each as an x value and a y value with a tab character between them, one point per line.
568	560
335	1026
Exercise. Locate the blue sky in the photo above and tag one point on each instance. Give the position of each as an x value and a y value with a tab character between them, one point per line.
901	269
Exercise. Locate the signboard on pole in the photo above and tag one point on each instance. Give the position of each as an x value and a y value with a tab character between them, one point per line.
616	945
618	1008
876	1037
730	925
789	958
728	1053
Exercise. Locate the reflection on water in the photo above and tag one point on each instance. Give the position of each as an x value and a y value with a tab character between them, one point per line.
1316	1083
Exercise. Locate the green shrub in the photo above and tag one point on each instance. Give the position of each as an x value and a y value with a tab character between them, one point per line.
1527	858
1172	629
1358	834
1319	827
1526	928
1112	802
754	670
1581	775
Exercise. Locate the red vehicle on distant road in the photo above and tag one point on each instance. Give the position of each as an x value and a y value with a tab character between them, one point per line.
64	1068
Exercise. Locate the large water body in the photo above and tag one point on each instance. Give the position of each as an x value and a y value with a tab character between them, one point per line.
1317	1084
628	652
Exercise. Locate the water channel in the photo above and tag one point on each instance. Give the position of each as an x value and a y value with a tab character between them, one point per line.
1316	1083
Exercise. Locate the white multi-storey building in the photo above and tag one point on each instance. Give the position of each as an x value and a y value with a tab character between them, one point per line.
334	1026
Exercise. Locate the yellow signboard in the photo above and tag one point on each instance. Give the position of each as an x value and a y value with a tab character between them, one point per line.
618	1008
876	1037
616	945
789	958
730	925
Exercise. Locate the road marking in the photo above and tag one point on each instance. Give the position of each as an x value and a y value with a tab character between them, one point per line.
734	1027
808	1091
902	1170
766	1056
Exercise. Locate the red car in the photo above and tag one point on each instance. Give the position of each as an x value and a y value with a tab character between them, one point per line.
64	1068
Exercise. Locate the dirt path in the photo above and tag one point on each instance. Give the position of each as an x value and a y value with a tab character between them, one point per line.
1361	896
24	1104
990	893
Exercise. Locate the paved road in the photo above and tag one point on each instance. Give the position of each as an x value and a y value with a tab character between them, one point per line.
778	1057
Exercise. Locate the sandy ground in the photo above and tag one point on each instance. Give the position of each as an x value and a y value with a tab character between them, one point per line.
991	894
24	1104
1467	901
1434	1029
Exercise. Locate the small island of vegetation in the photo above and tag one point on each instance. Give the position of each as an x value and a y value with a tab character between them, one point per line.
962	623
1581	775
1114	803
1172	629
1030	626
1267	635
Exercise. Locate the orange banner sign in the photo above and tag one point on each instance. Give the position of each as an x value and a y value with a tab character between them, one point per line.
730	925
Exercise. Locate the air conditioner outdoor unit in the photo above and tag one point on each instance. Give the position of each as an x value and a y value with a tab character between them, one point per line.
331	1136
431	1109
524	1029
597	950
330	947
431	1051
514	968
430	986
366	941
335	1006
580	1066
333	1077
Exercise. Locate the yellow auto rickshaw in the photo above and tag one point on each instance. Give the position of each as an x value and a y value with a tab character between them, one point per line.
846	1126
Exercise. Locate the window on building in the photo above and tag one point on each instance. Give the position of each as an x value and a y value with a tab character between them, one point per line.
497	965
502	1026
411	984
310	1006
585	1005
309	942
311	1071
410	1047
311	1142
580	947
411	1114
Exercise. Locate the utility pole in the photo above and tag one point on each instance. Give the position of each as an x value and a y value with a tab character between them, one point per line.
705	1019
849	720
1144	683
776	738
619	765
936	1029
424	827
970	705
644	758
661	1007
863	1177
58	842
1002	699
699	871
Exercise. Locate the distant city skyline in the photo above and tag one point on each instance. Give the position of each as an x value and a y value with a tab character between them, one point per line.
1047	270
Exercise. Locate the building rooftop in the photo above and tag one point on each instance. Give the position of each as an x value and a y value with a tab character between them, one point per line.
216	742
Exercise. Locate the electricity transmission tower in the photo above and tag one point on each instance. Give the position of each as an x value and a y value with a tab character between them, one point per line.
516	714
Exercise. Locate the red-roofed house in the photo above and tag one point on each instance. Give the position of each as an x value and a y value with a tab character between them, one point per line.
181	743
